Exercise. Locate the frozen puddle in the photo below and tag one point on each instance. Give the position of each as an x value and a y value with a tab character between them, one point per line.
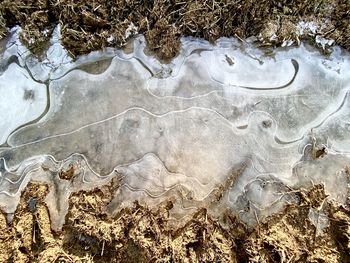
221	126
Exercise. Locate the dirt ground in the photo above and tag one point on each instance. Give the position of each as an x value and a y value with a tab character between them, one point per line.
139	234
92	25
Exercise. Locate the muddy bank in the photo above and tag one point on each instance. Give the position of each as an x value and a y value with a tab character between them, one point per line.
94	25
138	234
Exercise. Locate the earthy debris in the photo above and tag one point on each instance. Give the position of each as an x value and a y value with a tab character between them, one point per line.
88	26
303	233
314	230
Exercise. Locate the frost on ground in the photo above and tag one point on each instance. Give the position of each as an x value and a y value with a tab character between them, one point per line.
226	128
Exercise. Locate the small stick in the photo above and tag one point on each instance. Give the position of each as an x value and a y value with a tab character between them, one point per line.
103	248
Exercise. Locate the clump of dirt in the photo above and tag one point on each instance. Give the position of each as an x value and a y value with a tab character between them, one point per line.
140	234
6	239
28	237
88	26
67	174
135	234
314	230
35	19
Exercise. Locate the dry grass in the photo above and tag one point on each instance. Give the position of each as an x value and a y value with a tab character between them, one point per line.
92	25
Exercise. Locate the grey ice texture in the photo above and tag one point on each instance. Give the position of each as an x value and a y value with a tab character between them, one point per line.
222	126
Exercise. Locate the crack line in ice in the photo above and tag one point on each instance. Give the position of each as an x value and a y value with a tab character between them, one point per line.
296	69
121	114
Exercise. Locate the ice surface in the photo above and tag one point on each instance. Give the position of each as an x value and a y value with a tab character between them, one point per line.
22	100
182	130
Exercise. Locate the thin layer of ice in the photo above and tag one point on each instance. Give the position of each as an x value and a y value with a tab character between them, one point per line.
182	130
22	100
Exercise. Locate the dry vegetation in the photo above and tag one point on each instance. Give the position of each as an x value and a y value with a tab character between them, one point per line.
91	25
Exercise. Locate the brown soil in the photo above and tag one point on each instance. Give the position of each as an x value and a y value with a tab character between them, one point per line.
292	237
92	25
140	234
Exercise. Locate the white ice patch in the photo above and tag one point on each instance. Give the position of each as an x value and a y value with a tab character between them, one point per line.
131	30
324	42
310	27
22	100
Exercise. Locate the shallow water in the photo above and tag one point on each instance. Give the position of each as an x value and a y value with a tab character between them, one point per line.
181	130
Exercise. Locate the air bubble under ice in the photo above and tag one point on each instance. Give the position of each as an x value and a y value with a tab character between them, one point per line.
180	130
